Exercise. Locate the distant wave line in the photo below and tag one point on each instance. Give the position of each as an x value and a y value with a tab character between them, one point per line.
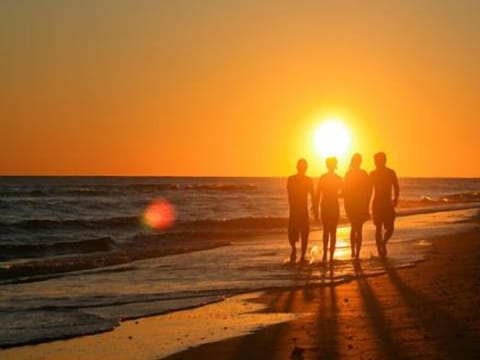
105	190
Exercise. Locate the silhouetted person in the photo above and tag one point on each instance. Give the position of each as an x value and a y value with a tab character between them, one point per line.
383	207
356	194
299	186
329	189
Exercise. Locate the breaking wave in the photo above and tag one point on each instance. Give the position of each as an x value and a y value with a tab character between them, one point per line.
15	251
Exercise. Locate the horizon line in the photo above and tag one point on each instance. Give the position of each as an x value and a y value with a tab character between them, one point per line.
215	176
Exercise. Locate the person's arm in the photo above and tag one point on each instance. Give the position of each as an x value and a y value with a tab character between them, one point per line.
316	199
396	189
289	191
341	187
311	192
371	189
369	186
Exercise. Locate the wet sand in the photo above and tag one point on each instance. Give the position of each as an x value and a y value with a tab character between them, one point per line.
158	336
431	311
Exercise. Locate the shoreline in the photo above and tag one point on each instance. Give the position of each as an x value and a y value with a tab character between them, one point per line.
20	271
234	316
428	311
272	301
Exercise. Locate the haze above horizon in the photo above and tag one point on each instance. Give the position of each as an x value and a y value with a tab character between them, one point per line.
237	88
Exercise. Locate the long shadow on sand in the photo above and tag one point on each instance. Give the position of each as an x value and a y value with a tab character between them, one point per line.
436	323
326	324
323	333
278	342
390	348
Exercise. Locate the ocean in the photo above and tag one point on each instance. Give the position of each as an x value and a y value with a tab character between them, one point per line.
80	254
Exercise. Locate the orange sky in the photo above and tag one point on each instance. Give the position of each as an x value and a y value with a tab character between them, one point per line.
236	88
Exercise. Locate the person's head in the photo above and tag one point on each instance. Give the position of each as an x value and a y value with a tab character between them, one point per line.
356	161
380	159
302	166
331	163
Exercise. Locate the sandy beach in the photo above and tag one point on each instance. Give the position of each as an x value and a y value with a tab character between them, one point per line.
430	310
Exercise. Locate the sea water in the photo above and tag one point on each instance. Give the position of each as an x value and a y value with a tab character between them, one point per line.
76	257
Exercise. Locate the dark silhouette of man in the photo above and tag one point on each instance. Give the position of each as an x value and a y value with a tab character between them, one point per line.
299	186
329	189
383	180
356	195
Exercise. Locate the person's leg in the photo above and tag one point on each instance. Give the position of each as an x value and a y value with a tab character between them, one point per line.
379	238
325	243
333	230
292	239
389	227
304	235
379	215
353	235
359	240
333	241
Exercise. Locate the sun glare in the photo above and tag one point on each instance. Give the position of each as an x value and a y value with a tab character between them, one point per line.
332	138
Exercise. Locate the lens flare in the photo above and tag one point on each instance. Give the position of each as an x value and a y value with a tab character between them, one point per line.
159	214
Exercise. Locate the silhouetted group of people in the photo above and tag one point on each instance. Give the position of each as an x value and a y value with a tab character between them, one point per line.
356	188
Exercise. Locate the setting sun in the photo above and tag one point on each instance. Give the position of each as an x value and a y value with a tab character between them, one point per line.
332	138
